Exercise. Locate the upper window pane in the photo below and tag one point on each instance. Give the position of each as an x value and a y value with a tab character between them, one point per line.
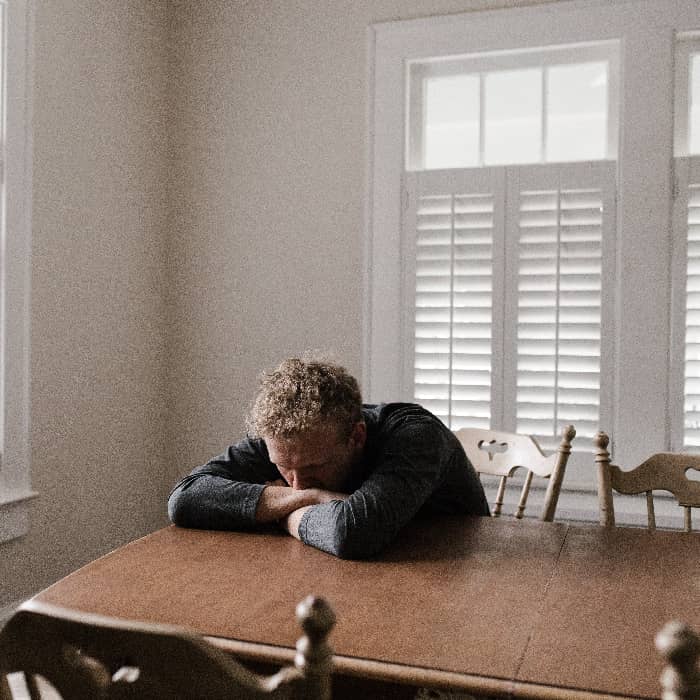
513	117
452	121
577	112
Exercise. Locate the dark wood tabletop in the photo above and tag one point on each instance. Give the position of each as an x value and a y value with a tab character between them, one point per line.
504	606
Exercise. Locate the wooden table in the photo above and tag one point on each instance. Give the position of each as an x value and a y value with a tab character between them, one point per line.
546	610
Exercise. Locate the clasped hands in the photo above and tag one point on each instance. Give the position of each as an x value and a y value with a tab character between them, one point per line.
281	503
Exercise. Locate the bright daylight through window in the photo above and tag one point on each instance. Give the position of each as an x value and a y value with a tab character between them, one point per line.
510	167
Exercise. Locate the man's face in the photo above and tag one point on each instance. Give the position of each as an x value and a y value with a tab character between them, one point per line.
319	458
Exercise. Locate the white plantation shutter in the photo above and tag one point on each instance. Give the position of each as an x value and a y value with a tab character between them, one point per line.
457	232
504	277
561	221
687	308
691	394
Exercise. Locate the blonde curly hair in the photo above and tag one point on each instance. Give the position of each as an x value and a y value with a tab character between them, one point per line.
302	394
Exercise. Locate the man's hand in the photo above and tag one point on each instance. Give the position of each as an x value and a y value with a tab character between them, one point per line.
278	500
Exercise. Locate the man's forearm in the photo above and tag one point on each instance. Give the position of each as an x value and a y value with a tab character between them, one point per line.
291	522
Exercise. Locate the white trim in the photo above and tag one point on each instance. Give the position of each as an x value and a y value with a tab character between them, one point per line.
679	269
382	377
15	489
367	237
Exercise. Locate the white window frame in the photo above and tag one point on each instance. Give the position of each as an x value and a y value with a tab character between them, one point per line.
640	421
16	162
417	71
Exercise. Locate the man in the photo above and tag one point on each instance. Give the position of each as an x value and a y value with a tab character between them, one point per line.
336	474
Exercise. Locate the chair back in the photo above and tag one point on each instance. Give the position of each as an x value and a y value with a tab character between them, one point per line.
89	657
665	471
501	454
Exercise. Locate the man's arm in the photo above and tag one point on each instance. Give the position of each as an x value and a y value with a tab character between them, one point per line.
292	521
416	454
237	490
223	494
279	502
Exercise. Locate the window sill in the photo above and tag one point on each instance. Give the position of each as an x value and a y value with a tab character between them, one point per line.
14	514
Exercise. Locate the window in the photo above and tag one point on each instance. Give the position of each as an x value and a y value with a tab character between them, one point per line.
519	246
686	229
502	108
15	157
509	257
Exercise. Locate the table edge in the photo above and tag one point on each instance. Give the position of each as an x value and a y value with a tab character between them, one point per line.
413	675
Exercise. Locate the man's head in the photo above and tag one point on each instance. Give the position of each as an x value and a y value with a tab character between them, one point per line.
309	412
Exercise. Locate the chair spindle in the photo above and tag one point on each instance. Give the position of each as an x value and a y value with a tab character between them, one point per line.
500	495
523	495
651	515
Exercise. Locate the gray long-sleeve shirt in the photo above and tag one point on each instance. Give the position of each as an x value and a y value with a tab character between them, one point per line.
412	465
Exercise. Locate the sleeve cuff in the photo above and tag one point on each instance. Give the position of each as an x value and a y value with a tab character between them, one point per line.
304	525
251	499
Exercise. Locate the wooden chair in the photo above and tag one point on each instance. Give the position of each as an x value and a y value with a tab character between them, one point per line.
664	471
680	647
501	454
88	657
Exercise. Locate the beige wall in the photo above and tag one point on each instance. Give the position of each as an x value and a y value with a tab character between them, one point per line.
267	240
198	214
98	321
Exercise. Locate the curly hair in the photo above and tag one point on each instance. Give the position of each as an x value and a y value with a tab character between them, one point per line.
302	394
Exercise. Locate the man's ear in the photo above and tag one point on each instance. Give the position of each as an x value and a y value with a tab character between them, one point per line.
358	437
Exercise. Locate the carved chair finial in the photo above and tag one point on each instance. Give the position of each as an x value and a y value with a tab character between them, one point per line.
568	433
314	655
680	647
601	441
